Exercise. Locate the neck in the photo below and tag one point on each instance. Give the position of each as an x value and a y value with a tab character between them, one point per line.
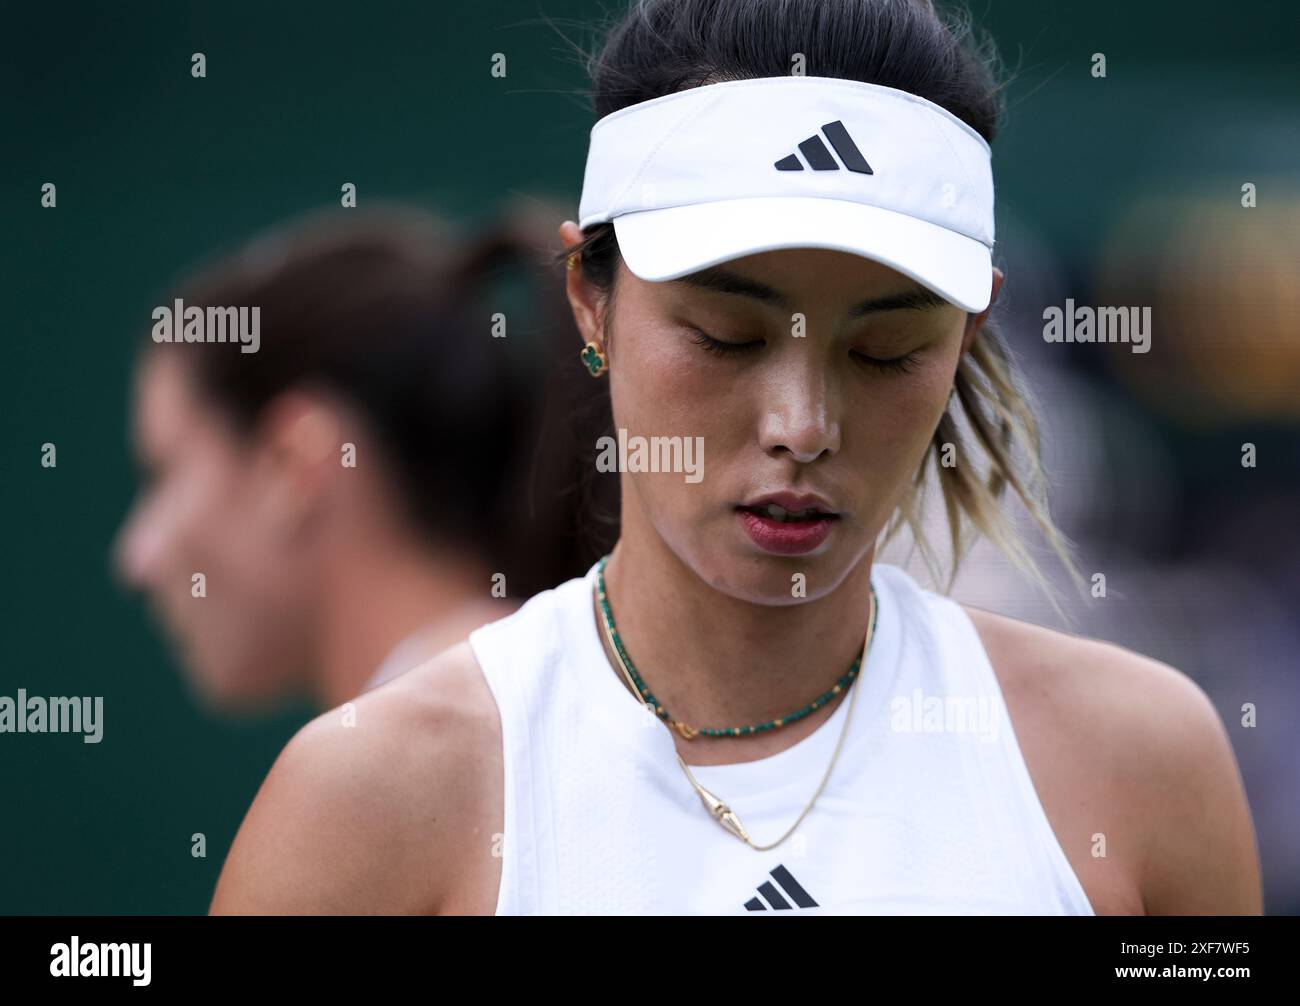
713	660
375	600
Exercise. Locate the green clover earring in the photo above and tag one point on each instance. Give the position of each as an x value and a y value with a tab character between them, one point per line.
594	359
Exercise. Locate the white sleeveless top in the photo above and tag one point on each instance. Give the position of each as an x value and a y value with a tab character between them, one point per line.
929	810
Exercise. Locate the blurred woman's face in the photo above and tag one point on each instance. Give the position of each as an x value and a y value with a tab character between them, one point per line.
203	510
803	371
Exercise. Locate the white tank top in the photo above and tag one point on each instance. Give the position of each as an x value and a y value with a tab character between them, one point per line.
929	810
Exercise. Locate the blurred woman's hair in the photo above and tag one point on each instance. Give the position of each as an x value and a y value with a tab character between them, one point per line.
660	47
445	344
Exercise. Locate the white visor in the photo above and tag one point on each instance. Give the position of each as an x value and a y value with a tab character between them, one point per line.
718	172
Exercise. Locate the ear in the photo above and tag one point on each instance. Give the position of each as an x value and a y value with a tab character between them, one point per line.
582	295
975	321
300	436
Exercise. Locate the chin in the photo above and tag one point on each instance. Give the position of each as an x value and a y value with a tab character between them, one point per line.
765	578
739	570
229	690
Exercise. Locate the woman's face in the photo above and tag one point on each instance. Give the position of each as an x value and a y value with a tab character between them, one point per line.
802	371
206	508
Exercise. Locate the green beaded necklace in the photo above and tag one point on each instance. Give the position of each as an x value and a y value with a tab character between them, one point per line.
689	732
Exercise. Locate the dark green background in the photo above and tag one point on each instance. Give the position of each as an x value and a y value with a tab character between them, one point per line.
156	170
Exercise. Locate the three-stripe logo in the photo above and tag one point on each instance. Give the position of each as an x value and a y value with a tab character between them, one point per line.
820	159
789	889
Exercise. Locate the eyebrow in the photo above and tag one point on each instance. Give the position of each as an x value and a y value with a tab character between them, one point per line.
721	280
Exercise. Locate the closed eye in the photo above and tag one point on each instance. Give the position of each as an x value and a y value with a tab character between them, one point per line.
898	365
712	345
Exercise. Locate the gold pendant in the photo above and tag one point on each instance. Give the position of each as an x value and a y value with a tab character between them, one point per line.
687	732
723	814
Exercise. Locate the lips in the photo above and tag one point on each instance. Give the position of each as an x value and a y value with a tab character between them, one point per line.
788	506
780	513
787	523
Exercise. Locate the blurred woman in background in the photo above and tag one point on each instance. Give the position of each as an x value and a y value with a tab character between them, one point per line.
345	524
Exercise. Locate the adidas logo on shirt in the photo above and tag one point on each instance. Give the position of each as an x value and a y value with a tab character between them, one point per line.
820	159
779	895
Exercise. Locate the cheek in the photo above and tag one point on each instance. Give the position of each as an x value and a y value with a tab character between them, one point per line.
919	401
223	530
203	518
658	386
895	428
669	387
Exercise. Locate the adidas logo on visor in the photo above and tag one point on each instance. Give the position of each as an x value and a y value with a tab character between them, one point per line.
820	159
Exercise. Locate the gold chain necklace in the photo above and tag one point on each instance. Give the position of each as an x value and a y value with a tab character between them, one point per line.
716	807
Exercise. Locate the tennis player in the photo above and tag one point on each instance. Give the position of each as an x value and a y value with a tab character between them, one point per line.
785	279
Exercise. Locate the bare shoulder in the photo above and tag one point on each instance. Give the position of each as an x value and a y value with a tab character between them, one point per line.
1125	746
368	808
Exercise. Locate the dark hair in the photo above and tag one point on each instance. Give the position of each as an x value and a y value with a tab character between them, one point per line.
390	310
660	47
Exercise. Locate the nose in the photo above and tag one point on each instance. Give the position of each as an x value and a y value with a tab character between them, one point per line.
799	416
130	554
